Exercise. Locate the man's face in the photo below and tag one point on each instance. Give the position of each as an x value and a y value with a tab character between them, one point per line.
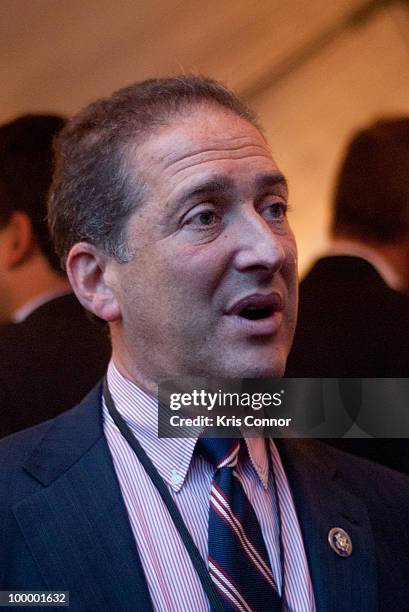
212	288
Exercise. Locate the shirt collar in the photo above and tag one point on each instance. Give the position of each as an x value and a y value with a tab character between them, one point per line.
170	456
259	458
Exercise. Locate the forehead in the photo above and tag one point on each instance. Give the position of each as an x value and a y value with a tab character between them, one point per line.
203	141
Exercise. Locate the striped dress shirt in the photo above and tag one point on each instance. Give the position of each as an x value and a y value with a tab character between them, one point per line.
172	581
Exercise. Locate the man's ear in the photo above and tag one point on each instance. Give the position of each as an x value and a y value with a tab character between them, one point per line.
19	239
87	269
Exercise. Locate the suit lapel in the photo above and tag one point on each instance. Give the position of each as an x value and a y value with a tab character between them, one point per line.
340	584
83	541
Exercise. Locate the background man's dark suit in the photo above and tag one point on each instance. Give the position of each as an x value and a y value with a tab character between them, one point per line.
352	324
63	525
48	362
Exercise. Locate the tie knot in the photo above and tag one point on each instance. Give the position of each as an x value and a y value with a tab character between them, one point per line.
220	452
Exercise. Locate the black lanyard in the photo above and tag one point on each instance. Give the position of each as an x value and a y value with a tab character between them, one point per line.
214	598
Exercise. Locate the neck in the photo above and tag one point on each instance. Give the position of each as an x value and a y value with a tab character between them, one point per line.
125	363
31	280
398	258
396	255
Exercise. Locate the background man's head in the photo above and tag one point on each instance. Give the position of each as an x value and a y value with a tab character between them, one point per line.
371	201
25	177
169	211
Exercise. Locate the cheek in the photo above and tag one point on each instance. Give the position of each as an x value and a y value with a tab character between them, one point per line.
290	246
197	272
163	284
290	266
290	275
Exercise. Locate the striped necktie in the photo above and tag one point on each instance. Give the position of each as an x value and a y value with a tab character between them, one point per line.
237	557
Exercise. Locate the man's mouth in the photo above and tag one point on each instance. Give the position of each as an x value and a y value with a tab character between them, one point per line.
256	306
257	314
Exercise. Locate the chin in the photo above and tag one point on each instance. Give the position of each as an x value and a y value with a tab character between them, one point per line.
255	365
269	370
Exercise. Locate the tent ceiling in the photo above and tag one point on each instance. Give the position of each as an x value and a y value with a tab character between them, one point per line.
63	54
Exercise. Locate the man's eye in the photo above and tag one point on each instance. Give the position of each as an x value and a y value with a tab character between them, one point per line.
205	218
276	211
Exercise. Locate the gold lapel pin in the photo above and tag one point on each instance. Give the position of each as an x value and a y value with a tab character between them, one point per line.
340	541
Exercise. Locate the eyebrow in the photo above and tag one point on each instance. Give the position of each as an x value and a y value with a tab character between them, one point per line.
215	185
262	181
219	184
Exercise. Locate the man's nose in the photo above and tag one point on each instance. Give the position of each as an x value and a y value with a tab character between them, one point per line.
258	245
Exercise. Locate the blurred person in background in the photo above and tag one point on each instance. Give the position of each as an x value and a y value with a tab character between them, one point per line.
44	332
354	308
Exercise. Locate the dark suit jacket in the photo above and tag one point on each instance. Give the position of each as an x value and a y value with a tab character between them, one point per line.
352	324
48	363
64	526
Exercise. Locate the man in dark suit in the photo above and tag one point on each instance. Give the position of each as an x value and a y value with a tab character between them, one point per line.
353	316
44	333
175	233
